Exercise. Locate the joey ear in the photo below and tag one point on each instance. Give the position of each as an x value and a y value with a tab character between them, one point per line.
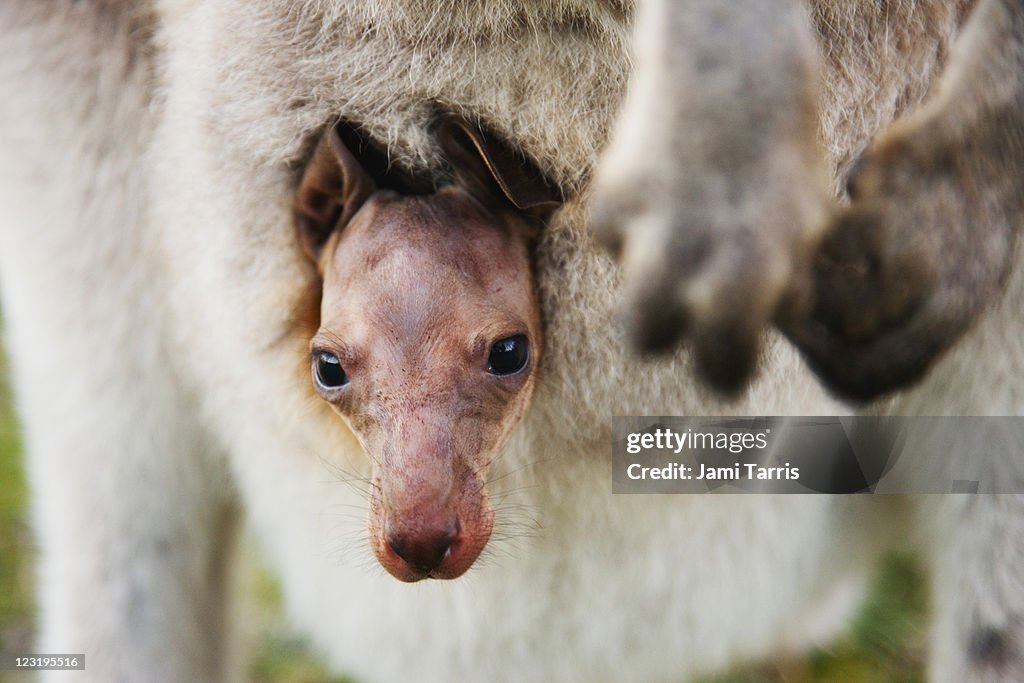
333	188
486	166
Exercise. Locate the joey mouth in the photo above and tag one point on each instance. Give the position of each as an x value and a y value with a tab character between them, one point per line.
424	543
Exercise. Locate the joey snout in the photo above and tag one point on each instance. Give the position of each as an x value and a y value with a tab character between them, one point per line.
430	515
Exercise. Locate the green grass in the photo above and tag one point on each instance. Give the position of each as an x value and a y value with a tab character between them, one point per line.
16	606
280	657
885	644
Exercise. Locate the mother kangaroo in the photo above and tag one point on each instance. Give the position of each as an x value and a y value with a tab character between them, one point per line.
158	307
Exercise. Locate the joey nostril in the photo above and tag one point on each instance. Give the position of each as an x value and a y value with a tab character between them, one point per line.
425	549
395	543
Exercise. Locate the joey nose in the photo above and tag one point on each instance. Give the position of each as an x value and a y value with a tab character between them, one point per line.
424	548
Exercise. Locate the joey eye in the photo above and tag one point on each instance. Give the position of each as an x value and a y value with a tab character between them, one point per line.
508	356
329	373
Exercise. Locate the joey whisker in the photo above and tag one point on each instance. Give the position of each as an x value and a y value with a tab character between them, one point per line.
517	470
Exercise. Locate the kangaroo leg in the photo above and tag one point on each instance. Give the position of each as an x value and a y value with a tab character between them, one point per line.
133	516
711	193
936	206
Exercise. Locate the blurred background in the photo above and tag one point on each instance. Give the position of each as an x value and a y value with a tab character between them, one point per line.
886	643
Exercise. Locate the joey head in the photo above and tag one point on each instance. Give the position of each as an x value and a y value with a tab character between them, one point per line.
430	334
